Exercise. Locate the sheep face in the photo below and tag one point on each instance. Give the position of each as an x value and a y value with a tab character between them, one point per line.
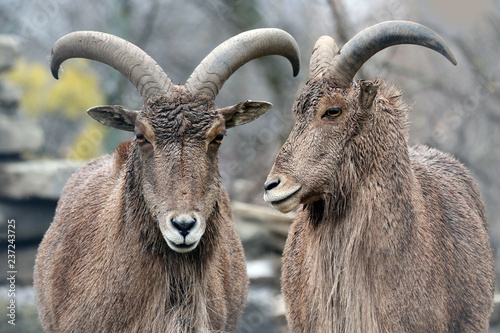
177	145
174	157
337	134
324	149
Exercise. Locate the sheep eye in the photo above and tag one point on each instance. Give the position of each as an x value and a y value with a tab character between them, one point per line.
218	139
140	138
332	113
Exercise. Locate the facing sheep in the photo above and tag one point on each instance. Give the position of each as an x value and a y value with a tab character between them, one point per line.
388	238
143	240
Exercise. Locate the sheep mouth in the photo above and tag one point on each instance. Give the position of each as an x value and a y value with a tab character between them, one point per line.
284	202
183	247
279	202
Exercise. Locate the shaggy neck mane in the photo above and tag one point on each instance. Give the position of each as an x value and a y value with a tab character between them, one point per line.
354	229
178	278
348	248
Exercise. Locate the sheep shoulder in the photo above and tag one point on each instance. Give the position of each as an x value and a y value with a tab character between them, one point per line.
71	249
438	171
454	237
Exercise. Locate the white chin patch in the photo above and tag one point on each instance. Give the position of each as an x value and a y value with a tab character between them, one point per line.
282	198
286	206
181	248
182	232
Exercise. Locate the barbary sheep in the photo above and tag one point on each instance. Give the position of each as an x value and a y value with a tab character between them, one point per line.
388	238
143	240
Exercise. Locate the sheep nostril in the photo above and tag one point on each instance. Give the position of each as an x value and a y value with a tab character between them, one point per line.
272	184
184	227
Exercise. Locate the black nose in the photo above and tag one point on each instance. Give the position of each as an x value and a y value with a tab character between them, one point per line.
183	225
272	184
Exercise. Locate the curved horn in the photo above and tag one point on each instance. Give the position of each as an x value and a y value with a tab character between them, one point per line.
135	64
223	61
323	53
378	37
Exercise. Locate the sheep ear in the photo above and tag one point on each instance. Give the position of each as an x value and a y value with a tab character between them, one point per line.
244	112
368	93
114	116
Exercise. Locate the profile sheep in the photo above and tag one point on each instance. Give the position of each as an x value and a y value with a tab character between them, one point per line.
388	237
143	240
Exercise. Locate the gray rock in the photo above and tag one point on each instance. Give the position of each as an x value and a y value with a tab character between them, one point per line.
32	218
9	50
9	99
43	179
19	135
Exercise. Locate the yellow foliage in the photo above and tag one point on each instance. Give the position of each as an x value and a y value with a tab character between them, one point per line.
70	96
88	143
76	91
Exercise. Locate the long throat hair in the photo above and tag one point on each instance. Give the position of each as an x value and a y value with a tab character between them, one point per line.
139	216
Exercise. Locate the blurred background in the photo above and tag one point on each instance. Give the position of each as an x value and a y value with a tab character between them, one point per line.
45	133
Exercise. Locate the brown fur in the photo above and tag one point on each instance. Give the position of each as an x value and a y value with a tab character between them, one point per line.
104	266
389	238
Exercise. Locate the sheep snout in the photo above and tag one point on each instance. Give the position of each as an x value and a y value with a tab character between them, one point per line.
182	232
282	194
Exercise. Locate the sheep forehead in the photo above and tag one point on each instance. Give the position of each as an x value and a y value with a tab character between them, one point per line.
182	117
317	94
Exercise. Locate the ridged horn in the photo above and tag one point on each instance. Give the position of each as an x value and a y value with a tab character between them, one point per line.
224	60
135	64
378	37
323	53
